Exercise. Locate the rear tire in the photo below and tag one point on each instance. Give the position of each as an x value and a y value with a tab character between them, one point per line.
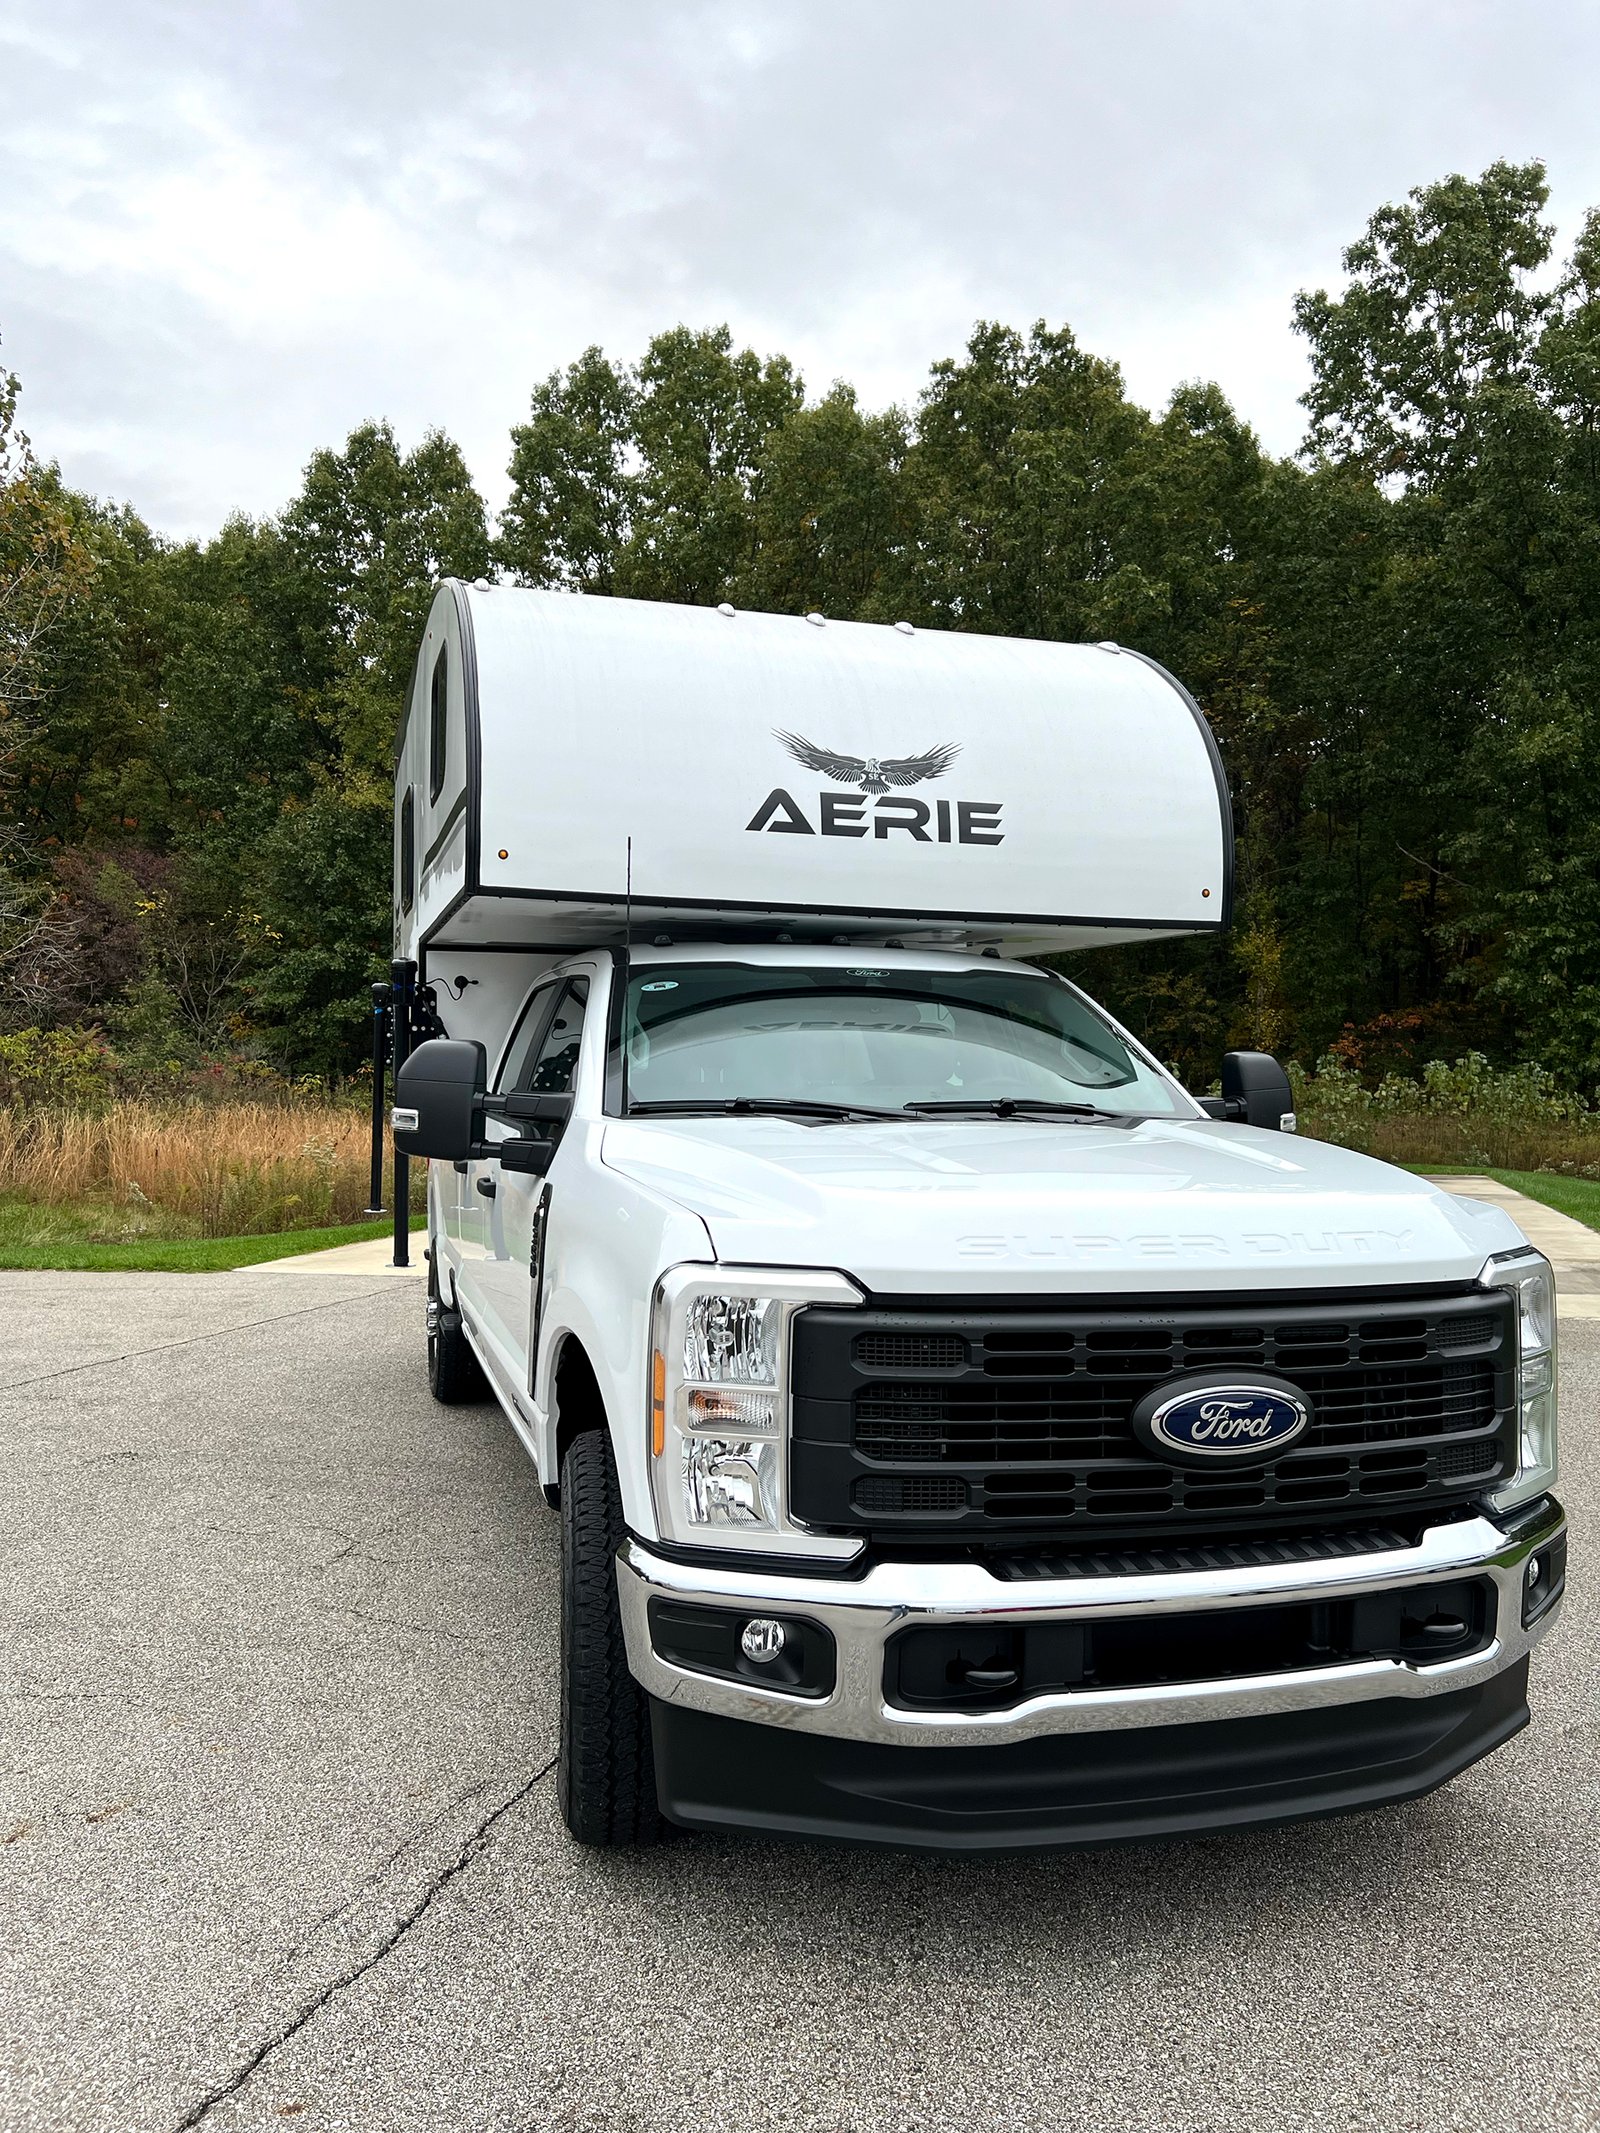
455	1376
605	1775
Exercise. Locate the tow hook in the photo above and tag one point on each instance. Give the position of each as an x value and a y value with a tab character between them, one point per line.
988	1677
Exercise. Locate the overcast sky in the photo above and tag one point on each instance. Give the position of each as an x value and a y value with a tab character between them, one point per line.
231	229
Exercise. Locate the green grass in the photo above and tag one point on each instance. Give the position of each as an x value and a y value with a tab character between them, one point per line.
53	1240
1577	1197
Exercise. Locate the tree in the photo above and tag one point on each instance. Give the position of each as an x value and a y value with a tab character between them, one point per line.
646	481
43	565
572	485
371	532
1447	373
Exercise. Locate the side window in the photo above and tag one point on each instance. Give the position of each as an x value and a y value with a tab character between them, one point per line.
556	1060
408	848
513	1074
438	725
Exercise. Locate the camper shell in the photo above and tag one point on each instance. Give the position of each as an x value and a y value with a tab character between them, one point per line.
828	779
963	1436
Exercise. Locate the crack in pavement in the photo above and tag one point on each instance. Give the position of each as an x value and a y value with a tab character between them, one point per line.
368	1882
217	1333
471	1850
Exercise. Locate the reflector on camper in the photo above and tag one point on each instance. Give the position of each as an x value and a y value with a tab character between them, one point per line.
849	780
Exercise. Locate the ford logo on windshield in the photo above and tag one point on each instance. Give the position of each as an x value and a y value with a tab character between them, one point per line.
1202	1420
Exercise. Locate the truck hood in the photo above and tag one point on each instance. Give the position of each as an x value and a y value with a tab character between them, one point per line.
1026	1206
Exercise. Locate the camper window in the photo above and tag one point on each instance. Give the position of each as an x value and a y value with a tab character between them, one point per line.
438	727
408	848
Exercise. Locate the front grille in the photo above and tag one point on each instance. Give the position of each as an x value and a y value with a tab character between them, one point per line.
1003	1419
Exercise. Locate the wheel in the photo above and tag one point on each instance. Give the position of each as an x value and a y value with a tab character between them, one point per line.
455	1376
606	1776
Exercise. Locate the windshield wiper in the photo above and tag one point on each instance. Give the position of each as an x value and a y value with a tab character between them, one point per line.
756	1106
1016	1106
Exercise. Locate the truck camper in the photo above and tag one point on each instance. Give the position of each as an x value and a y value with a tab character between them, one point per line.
962	1436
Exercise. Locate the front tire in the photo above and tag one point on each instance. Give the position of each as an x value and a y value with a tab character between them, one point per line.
605	1775
455	1376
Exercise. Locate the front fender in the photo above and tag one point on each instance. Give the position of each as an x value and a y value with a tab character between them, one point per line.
607	1242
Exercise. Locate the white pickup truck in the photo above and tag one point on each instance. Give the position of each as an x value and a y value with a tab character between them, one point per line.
963	1437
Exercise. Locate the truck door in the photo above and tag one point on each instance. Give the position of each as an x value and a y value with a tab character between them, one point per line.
478	1183
547	1069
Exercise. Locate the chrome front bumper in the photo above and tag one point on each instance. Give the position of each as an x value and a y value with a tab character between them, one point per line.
863	1614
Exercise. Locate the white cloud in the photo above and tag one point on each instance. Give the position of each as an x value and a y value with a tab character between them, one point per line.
228	234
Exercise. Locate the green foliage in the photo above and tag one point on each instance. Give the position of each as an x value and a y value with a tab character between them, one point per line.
1467	1112
646	481
55	1069
44	565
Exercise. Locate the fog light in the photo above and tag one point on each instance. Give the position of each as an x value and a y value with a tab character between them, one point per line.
762	1640
792	1654
1544	1580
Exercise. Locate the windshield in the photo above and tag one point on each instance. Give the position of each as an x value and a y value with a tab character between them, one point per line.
883	1039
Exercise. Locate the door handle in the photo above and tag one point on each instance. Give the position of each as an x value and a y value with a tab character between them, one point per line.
486	1187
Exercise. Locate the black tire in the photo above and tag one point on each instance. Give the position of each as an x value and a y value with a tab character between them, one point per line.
606	1775
455	1376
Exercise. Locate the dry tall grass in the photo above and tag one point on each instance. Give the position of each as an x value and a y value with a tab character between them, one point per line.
1471	1143
208	1170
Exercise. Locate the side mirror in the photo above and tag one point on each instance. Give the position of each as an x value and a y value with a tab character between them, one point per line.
1256	1092
531	1158
439	1098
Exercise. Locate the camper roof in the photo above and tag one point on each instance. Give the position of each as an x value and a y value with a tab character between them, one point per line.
782	773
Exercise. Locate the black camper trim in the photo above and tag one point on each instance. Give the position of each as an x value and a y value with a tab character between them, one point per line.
779	914
457	808
1218	771
473	732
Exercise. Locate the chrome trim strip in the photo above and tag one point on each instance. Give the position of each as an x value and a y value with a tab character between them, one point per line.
862	1614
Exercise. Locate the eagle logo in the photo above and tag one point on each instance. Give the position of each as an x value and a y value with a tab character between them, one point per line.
871	773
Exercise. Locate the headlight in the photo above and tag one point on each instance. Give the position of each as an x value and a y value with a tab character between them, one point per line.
1527	1272
719	1406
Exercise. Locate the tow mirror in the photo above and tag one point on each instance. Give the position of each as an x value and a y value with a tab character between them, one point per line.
439	1099
1255	1092
531	1158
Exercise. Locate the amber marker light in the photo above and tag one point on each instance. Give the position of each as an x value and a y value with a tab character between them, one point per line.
658	1403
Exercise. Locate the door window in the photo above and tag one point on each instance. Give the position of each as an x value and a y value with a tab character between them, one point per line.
530	1027
555	1062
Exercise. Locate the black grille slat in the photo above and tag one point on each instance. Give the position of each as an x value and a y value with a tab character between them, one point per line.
1026	1410
1249	1554
910	1351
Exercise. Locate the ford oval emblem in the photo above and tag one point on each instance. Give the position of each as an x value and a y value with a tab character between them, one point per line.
1201	1419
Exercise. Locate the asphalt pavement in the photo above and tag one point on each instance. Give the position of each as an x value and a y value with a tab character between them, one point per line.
279	1841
